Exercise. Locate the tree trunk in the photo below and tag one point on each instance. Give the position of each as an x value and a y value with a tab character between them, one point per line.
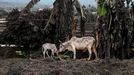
63	16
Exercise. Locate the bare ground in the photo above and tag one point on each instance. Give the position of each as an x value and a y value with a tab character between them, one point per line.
19	66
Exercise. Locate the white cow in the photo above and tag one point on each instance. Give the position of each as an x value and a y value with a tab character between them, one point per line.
82	43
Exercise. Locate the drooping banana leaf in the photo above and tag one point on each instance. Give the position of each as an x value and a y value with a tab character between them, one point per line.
102	10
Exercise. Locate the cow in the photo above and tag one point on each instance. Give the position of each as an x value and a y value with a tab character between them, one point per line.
49	46
82	43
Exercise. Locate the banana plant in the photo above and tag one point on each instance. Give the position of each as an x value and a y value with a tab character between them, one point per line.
101	10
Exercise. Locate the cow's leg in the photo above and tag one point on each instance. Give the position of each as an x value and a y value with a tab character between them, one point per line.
90	52
95	52
47	54
44	52
52	55
74	52
58	56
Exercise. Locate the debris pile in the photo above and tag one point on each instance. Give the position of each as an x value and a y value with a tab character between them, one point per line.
25	29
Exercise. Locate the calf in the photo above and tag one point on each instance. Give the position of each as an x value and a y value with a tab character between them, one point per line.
49	46
82	43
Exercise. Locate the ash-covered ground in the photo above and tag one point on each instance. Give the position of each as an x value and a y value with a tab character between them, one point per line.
19	66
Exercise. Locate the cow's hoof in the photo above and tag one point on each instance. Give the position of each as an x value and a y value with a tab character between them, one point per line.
97	59
88	59
73	59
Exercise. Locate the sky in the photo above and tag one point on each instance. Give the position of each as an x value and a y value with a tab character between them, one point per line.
85	2
50	2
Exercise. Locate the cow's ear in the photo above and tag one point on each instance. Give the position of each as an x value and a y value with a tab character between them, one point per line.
67	39
60	41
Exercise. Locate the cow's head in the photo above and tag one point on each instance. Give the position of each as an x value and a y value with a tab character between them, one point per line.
63	46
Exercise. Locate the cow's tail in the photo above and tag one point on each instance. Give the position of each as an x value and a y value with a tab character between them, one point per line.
97	40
